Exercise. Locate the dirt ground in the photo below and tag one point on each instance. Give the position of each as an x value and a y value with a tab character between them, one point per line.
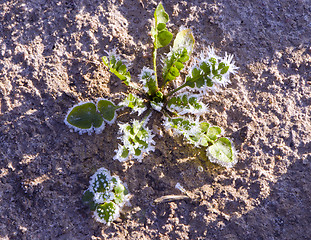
50	54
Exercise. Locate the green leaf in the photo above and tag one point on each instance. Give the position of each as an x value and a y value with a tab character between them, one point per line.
183	104
125	152
107	110
196	132
164	38
83	117
174	72
184	40
134	102
224	70
118	68
100	181
161	26
221	153
136	139
179	54
119	191
161	36
179	65
160	15
204	126
87	199
211	70
200	76
205	141
105	196
147	78
106	213
213	132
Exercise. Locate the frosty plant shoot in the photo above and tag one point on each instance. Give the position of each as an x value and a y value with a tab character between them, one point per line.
105	196
182	108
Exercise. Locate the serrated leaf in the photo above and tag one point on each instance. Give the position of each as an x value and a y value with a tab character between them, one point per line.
211	70
107	109
221	153
179	54
200	76
83	117
196	132
136	139
118	68
224	70
149	82
183	104
134	102
173	64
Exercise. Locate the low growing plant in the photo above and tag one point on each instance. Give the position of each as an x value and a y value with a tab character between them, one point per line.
182	107
105	196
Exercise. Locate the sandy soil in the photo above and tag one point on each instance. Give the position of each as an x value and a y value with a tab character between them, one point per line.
50	59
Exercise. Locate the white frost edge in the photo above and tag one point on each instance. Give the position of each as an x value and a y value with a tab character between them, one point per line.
193	131
156	106
80	130
124	138
150	73
191	109
228	60
111	185
221	163
139	110
204	57
111	218
113	52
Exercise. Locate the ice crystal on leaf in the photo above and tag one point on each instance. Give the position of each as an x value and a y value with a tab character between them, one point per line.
182	108
209	72
106	196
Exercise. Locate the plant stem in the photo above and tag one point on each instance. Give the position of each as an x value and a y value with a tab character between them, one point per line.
155	64
175	90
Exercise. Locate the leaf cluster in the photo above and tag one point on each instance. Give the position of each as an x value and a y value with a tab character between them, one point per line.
105	196
182	108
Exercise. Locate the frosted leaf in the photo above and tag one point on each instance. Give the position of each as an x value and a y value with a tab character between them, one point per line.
134	102
84	118
106	196
136	141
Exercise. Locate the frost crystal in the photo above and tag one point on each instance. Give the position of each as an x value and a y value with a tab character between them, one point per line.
137	141
106	196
